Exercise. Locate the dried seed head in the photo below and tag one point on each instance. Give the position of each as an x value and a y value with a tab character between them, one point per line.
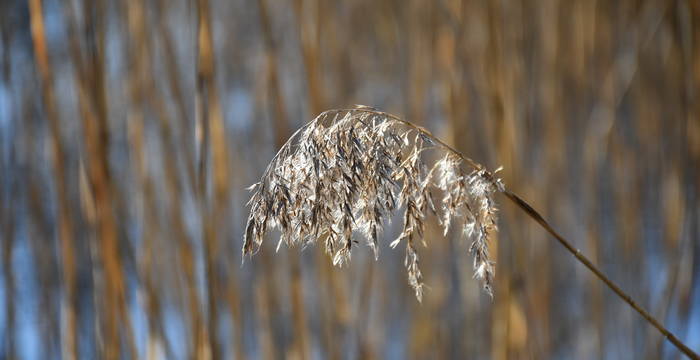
347	171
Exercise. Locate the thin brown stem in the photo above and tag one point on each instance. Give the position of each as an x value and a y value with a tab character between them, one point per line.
212	131
65	229
614	287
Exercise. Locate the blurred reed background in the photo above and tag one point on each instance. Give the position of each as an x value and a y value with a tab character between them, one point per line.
129	130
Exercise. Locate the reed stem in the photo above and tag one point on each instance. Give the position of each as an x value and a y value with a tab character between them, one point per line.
522	204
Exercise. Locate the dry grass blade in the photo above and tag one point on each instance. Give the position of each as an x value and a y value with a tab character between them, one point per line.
349	170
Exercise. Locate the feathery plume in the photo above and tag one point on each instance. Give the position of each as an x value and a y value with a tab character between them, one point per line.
348	171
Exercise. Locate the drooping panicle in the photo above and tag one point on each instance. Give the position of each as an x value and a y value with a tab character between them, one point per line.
348	171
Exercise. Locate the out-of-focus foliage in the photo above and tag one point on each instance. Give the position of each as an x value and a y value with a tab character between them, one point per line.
129	130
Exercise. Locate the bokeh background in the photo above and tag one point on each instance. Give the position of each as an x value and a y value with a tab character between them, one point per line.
129	130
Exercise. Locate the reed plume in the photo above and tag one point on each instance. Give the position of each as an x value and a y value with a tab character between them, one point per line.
348	171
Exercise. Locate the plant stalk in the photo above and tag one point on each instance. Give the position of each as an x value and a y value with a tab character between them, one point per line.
614	287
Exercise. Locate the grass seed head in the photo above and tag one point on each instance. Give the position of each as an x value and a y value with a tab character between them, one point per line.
348	171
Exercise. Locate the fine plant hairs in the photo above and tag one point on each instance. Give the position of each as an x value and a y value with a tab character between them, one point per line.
348	171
